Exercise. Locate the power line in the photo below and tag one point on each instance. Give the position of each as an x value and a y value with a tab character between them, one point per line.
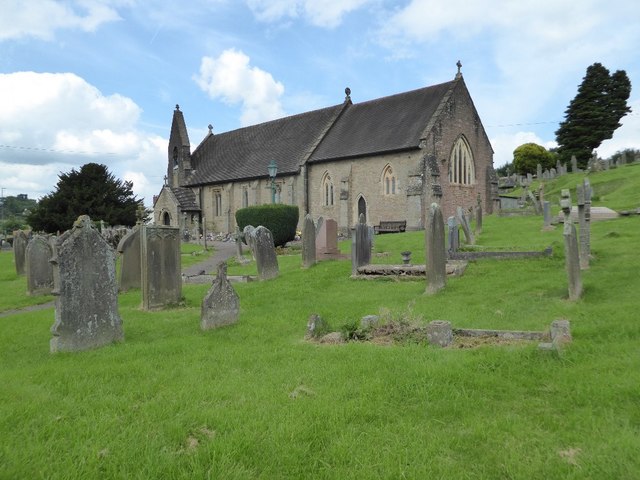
53	150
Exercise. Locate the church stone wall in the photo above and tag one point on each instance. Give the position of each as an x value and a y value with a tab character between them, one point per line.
166	203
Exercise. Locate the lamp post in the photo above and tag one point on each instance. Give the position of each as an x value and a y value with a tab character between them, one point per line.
273	171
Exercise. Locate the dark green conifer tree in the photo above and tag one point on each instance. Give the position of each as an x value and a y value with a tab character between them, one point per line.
594	114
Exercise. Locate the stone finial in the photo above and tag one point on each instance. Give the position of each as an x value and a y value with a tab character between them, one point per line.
459	65
210	127
347	92
177	107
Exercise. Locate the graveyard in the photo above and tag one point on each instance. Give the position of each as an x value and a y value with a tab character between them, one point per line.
255	399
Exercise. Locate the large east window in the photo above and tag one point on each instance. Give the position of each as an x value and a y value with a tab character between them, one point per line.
461	166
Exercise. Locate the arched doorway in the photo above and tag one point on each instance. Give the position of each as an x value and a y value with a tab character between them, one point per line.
166	219
362	208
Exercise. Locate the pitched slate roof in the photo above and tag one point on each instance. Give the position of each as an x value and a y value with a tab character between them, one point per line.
386	124
186	199
246	152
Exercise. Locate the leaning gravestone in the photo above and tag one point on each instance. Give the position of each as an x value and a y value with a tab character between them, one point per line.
130	260
161	274
86	314
265	253
436	253
479	216
360	245
221	305
20	241
572	260
308	242
462	220
38	266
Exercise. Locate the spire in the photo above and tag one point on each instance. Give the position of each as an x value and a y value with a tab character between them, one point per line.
459	65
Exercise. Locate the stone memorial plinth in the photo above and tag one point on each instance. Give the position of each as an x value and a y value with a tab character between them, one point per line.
129	249
221	305
265	253
86	313
440	333
436	253
38	266
161	274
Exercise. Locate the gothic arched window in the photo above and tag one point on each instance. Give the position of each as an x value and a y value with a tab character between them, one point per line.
388	181
461	167
327	190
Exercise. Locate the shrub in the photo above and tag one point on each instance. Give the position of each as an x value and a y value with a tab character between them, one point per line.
280	219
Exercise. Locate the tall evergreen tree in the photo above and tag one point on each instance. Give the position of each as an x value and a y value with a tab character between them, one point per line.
92	191
594	114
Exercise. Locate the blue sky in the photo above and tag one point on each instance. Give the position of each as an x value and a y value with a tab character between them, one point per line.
97	80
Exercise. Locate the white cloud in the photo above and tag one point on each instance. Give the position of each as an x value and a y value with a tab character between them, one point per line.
41	18
231	79
321	13
51	123
627	136
504	145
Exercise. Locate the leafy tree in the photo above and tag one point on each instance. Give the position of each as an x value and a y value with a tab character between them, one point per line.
527	157
505	170
92	191
594	114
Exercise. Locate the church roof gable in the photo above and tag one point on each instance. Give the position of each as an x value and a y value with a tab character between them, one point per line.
386	124
186	199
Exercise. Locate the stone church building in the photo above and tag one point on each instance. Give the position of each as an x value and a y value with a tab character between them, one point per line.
375	158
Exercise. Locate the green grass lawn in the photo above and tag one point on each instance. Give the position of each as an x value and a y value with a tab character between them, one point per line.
254	400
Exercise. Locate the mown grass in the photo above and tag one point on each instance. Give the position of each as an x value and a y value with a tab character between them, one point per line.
254	400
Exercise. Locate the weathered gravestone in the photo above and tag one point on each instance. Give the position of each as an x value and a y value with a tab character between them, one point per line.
249	239
574	164
534	201
326	237
265	253
539	172
572	260
130	260
308	242
20	241
479	216
38	266
546	211
453	234
221	305
436	254
360	245
86	313
462	220
583	193
161	266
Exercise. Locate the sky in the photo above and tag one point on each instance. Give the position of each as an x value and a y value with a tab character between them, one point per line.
97	80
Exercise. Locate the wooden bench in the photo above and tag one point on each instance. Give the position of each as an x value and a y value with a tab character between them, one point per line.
394	226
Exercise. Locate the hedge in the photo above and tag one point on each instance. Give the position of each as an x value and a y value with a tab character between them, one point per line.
280	219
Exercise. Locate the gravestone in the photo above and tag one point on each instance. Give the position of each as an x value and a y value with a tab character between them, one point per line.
360	245
161	274
552	173
574	164
86	313
308	242
436	255
20	241
572	258
539	171
265	253
38	266
238	239
327	237
453	234
583	193
546	211
221	304
462	220
440	333
249	239
479	216
534	201
130	260
623	158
